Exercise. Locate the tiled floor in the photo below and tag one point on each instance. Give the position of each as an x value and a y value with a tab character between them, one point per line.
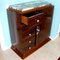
50	51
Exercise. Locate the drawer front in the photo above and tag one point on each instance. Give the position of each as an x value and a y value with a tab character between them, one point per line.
28	44
36	19
40	18
28	33
29	41
26	37
25	33
27	48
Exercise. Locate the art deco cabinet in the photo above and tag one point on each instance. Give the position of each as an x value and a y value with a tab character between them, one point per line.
30	26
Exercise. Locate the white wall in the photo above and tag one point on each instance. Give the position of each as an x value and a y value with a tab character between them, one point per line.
2	43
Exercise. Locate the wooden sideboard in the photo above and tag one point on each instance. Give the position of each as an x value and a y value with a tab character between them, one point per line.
29	28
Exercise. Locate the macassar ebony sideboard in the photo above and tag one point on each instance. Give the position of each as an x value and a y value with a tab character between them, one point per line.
30	26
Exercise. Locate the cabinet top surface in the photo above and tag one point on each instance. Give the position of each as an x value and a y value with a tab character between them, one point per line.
28	5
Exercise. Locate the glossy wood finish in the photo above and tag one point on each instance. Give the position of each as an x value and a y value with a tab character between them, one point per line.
30	29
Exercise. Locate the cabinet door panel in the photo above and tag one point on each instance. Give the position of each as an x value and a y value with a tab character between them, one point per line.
43	30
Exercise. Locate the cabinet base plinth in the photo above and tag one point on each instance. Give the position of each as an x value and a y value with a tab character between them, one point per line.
24	55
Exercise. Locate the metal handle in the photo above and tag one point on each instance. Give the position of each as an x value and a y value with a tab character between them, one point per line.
29	47
29	34
37	33
29	41
37	20
38	30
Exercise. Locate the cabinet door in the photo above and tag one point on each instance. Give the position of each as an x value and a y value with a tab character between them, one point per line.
43	30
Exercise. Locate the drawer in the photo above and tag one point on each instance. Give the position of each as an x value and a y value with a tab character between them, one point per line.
28	44
29	41
31	19
25	34
28	33
27	48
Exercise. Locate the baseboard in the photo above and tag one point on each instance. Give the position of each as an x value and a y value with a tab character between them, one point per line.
53	38
5	48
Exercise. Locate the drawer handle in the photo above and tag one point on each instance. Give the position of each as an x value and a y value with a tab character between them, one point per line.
37	20
30	35
29	41
38	30
29	48
37	33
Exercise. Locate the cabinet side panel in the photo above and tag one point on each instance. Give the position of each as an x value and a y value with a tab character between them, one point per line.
12	26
